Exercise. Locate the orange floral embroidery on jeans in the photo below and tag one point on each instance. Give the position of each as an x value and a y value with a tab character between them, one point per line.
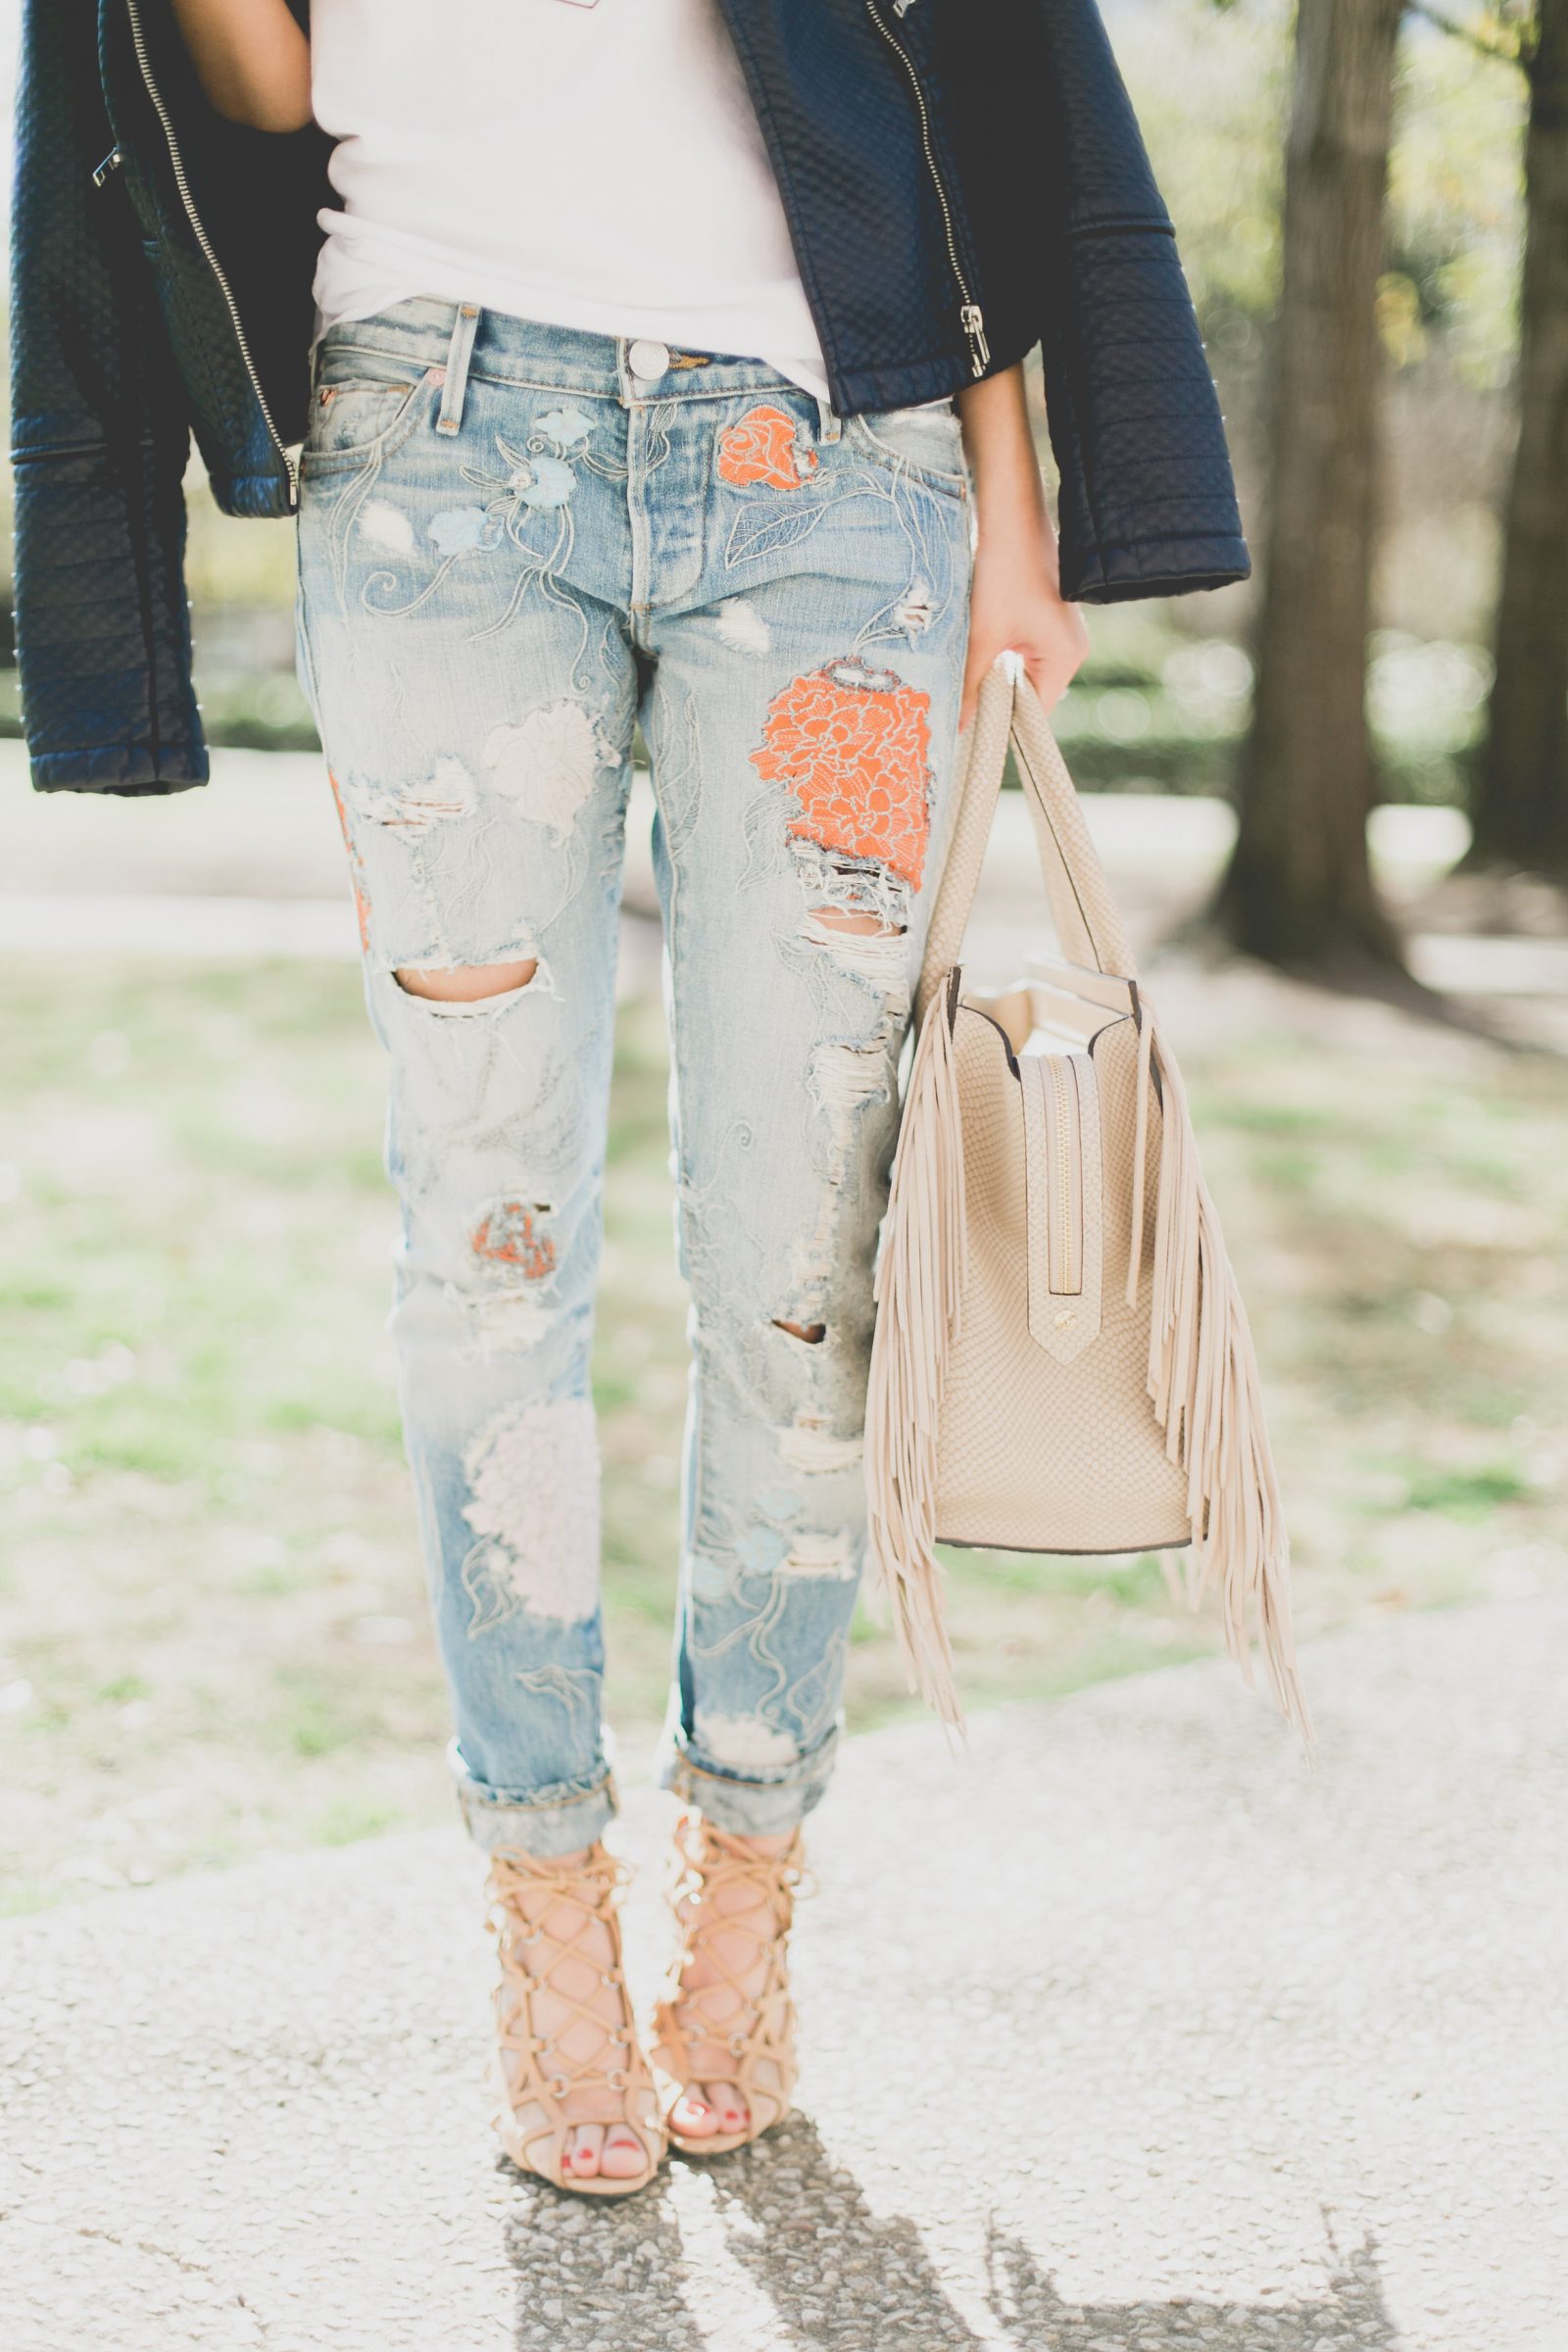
762	448
851	743
508	1234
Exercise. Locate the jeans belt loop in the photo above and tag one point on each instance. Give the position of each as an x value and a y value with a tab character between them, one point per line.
830	426
459	350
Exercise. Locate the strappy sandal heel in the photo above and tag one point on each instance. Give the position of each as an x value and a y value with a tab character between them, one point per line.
755	2026
534	2073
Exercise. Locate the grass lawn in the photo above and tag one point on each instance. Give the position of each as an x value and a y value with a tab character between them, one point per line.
212	1622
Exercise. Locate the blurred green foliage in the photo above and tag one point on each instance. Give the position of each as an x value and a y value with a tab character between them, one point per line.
1455	210
1153	709
1455	185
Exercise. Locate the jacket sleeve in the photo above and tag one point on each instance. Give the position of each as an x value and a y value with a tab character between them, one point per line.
1148	503
1078	256
99	443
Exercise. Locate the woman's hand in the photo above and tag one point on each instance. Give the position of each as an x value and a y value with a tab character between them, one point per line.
251	59
1016	600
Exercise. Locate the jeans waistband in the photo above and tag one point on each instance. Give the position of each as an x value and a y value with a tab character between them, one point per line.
426	332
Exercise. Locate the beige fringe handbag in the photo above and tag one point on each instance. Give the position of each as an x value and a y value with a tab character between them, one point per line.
1062	1359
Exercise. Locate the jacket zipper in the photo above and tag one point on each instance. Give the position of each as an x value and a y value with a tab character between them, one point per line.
969	311
139	42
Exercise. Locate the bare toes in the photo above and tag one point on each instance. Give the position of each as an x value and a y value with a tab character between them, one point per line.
692	2116
582	2159
624	2155
727	2104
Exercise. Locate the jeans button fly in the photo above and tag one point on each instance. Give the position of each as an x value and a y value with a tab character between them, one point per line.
648	359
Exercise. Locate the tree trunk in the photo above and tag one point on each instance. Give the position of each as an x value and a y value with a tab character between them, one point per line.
1521	802
1299	890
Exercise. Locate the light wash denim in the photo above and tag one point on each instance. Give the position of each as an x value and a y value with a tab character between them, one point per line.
515	541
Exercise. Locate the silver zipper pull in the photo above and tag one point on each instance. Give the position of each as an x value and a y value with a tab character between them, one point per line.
974	327
111	162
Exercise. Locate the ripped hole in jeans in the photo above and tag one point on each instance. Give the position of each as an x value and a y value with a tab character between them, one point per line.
470	984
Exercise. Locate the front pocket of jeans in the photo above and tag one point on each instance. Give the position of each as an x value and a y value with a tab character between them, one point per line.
358	418
927	442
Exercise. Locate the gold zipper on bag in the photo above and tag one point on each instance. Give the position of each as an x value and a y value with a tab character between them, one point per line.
176	160
970	315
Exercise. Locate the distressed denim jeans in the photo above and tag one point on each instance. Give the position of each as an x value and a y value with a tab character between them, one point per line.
516	542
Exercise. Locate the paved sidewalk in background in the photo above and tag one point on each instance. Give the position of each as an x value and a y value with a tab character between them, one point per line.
252	865
266	828
1126	2034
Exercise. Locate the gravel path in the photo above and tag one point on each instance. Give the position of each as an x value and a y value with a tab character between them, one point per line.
1127	2034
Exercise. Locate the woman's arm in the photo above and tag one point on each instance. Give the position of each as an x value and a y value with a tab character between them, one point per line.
251	59
1016	601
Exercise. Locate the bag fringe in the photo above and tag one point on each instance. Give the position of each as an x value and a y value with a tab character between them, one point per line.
1204	1383
919	1282
1202	1376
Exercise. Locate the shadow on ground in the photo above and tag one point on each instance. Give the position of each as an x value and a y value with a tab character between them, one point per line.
839	2278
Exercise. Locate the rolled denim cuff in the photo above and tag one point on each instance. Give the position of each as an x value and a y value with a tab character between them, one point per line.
758	1804
549	1823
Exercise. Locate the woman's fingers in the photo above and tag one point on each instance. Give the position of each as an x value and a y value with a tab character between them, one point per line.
1050	679
1050	669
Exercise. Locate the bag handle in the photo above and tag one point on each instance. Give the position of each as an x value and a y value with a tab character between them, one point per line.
1082	911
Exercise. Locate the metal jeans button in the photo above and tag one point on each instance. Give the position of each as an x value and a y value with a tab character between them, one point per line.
648	359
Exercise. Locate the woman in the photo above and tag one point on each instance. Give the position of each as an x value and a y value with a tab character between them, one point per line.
666	367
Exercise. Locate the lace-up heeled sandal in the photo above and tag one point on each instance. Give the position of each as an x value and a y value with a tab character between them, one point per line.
534	2073
754	2022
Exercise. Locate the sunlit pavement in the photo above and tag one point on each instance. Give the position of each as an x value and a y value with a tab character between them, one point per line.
1127	2033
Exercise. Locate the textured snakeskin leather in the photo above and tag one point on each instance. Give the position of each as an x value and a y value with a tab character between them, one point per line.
1020	1420
1019	1427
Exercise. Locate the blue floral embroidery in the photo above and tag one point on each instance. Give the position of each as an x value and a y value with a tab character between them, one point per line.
565	427
543	481
457	529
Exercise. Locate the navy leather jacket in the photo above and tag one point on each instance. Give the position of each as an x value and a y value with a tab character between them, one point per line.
963	179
